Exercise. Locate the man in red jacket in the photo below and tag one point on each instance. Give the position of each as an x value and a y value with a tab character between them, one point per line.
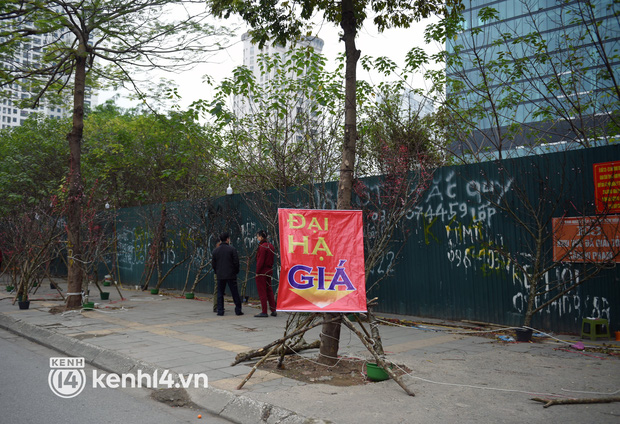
264	270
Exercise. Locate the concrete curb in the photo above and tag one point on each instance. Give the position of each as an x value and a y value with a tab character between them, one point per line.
236	408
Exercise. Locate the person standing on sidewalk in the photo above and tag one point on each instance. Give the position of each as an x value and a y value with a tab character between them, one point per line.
264	271
225	262
215	281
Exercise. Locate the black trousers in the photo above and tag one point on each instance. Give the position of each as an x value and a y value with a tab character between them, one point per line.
221	287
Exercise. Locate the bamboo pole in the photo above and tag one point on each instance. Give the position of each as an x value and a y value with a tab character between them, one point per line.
248	355
255	367
550	402
379	360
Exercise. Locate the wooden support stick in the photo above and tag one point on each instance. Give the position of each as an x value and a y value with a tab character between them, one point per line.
49	277
550	402
256	365
305	322
379	360
364	328
118	290
248	355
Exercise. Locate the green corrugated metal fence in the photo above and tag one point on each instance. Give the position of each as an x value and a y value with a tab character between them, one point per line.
461	257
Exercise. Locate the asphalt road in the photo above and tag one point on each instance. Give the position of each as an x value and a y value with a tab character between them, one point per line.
26	396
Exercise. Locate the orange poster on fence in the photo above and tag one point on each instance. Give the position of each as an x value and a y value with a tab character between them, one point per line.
607	187
322	257
586	239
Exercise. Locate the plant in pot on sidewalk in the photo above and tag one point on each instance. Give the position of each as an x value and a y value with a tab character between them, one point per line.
30	238
22	294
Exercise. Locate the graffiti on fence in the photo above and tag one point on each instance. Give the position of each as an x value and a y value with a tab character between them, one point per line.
455	233
571	304
449	198
133	247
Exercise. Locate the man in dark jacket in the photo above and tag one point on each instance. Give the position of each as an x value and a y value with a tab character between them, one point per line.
264	271
225	262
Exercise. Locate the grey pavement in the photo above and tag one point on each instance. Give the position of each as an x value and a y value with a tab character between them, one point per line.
457	374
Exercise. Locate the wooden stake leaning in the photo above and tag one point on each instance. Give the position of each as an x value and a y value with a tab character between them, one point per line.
274	345
253	353
550	402
379	360
118	290
256	365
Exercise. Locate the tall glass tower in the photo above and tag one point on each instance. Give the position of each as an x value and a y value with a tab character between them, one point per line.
536	71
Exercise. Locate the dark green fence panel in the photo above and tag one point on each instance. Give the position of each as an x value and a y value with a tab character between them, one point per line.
451	266
191	233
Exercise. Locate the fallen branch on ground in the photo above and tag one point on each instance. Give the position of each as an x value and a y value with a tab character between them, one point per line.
260	352
550	402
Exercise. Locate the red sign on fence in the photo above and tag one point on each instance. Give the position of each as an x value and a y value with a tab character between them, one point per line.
586	239
322	257
607	187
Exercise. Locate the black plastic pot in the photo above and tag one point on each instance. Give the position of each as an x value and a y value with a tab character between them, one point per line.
523	334
25	304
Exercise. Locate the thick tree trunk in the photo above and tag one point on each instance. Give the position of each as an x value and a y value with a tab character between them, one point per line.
76	188
330	338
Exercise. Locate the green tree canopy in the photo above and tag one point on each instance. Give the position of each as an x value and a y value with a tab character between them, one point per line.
29	175
53	45
141	157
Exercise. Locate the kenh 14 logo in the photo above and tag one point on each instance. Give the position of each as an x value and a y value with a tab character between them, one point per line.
67	378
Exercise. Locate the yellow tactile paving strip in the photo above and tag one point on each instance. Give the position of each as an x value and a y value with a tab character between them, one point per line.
164	330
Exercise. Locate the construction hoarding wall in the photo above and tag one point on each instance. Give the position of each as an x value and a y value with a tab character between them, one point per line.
462	252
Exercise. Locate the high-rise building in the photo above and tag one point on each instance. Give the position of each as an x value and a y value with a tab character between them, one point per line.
252	57
536	71
11	114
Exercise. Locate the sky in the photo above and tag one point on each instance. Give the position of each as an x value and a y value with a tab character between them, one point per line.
393	43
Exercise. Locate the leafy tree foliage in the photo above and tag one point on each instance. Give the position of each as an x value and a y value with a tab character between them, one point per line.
79	42
30	176
141	158
284	21
282	131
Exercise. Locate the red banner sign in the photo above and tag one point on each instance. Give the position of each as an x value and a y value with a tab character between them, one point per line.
322	257
586	239
607	187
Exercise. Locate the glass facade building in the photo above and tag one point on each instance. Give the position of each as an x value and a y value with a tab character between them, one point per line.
549	67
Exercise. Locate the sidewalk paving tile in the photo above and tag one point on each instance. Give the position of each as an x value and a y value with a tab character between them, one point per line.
456	375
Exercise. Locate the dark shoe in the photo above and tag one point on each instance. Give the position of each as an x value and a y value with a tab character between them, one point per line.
220	315
274	314
239	313
261	315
